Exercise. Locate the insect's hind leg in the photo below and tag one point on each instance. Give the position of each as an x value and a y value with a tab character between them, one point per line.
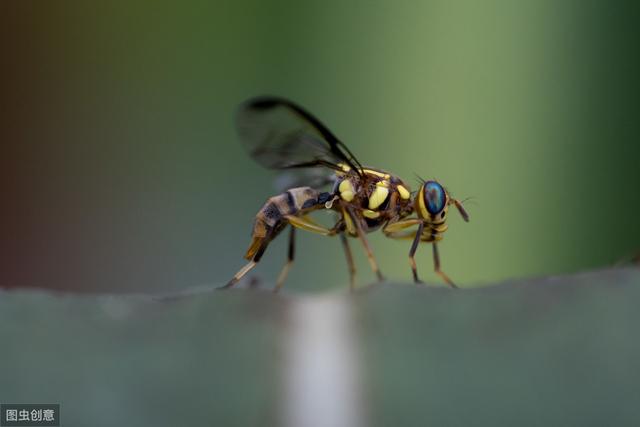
436	265
305	223
308	224
239	275
250	265
259	245
290	256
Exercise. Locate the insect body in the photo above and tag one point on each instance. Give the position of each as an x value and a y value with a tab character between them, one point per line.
281	135
370	200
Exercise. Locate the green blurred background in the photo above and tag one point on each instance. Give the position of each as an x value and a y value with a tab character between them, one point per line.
121	170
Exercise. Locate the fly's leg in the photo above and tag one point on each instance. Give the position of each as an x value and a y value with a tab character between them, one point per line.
367	248
436	264
247	268
260	245
240	274
393	229
412	253
350	263
396	229
304	223
285	270
308	224
406	235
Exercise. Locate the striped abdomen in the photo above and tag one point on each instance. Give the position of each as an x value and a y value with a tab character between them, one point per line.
271	218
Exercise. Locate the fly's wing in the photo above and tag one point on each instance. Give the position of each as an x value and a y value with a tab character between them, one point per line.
307	177
279	134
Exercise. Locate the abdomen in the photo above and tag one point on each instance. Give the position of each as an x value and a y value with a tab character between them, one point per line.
270	220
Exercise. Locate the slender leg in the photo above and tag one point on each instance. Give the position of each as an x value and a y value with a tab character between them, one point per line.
285	270
412	253
239	275
367	248
247	268
261	244
304	223
394	227
308	224
402	235
350	263
436	264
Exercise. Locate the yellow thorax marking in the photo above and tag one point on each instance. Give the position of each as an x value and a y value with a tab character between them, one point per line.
376	173
379	195
404	193
370	214
347	192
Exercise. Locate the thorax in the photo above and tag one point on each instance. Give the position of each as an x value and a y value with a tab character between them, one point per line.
377	196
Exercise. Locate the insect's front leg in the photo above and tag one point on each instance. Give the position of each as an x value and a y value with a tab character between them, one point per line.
412	253
395	228
436	265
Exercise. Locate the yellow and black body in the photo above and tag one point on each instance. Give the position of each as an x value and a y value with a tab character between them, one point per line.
282	135
270	220
376	197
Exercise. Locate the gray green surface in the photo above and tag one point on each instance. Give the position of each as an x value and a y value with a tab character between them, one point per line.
135	361
555	352
561	351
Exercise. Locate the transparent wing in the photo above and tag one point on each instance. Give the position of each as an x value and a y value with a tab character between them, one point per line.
308	177
279	134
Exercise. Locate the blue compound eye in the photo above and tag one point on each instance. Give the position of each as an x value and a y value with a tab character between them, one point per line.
435	197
